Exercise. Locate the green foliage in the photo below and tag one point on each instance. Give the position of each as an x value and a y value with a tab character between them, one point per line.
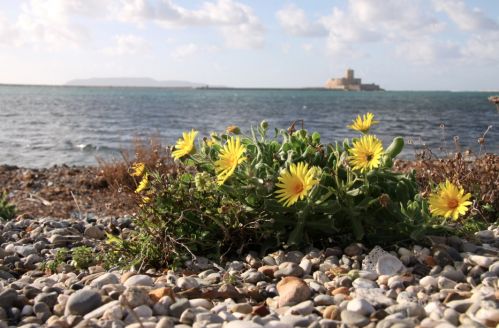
7	210
185	212
60	258
82	257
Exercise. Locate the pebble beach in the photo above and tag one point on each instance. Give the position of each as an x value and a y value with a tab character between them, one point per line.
452	283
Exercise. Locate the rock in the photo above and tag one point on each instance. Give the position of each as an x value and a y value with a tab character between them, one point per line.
360	306
353	250
82	302
428	281
292	290
4	275
187	283
388	265
364	283
241	308
374	296
306	265
26	250
105	279
445	283
178	307
139	280
165	322
460	306
98	312
295	320
288	269
242	324
408	309
482	261
143	311
252	276
331	312
7	297
453	274
201	302
135	296
354	319
302	308
48	298
94	232
489	317
322	299
42	311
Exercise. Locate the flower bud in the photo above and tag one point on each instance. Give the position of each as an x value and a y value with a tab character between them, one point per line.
233	129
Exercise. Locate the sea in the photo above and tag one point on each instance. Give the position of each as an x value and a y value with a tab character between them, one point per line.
42	126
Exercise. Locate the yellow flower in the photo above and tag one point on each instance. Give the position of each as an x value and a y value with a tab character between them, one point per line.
449	201
230	156
143	184
185	145
138	169
364	123
295	183
366	153
146	199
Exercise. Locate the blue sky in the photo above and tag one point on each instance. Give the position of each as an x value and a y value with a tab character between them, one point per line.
399	44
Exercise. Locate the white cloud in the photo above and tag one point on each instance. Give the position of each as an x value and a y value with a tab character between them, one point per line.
8	34
127	45
401	25
295	22
427	51
237	23
185	51
48	22
465	18
189	50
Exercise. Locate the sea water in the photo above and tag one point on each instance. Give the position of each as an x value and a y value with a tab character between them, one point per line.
42	125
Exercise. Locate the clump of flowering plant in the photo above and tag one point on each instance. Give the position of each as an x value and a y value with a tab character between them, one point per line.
277	188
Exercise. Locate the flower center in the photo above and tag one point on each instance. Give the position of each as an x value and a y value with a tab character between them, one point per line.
298	187
369	157
452	203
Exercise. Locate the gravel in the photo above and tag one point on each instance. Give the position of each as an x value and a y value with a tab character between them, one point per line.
452	283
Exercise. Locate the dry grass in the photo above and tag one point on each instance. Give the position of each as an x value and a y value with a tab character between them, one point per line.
149	151
479	176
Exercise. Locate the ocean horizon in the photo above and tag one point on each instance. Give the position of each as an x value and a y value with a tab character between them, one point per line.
41	126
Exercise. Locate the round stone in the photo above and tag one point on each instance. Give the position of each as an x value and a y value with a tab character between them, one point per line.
83	301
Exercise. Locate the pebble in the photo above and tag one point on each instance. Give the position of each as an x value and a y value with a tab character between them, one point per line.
292	290
360	306
354	319
82	302
414	286
139	280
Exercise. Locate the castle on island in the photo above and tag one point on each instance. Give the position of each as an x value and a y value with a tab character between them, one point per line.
350	83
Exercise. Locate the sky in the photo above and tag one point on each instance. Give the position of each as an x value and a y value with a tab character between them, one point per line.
398	44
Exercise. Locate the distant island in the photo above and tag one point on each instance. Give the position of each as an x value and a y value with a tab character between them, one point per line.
133	82
350	83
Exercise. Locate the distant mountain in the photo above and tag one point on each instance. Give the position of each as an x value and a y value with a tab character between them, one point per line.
133	82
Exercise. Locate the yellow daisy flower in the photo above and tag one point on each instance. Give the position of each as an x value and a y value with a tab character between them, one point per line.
143	184
138	169
230	156
364	123
295	183
185	145
449	201
366	153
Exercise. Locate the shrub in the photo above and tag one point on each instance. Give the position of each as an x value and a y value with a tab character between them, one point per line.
7	209
269	189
